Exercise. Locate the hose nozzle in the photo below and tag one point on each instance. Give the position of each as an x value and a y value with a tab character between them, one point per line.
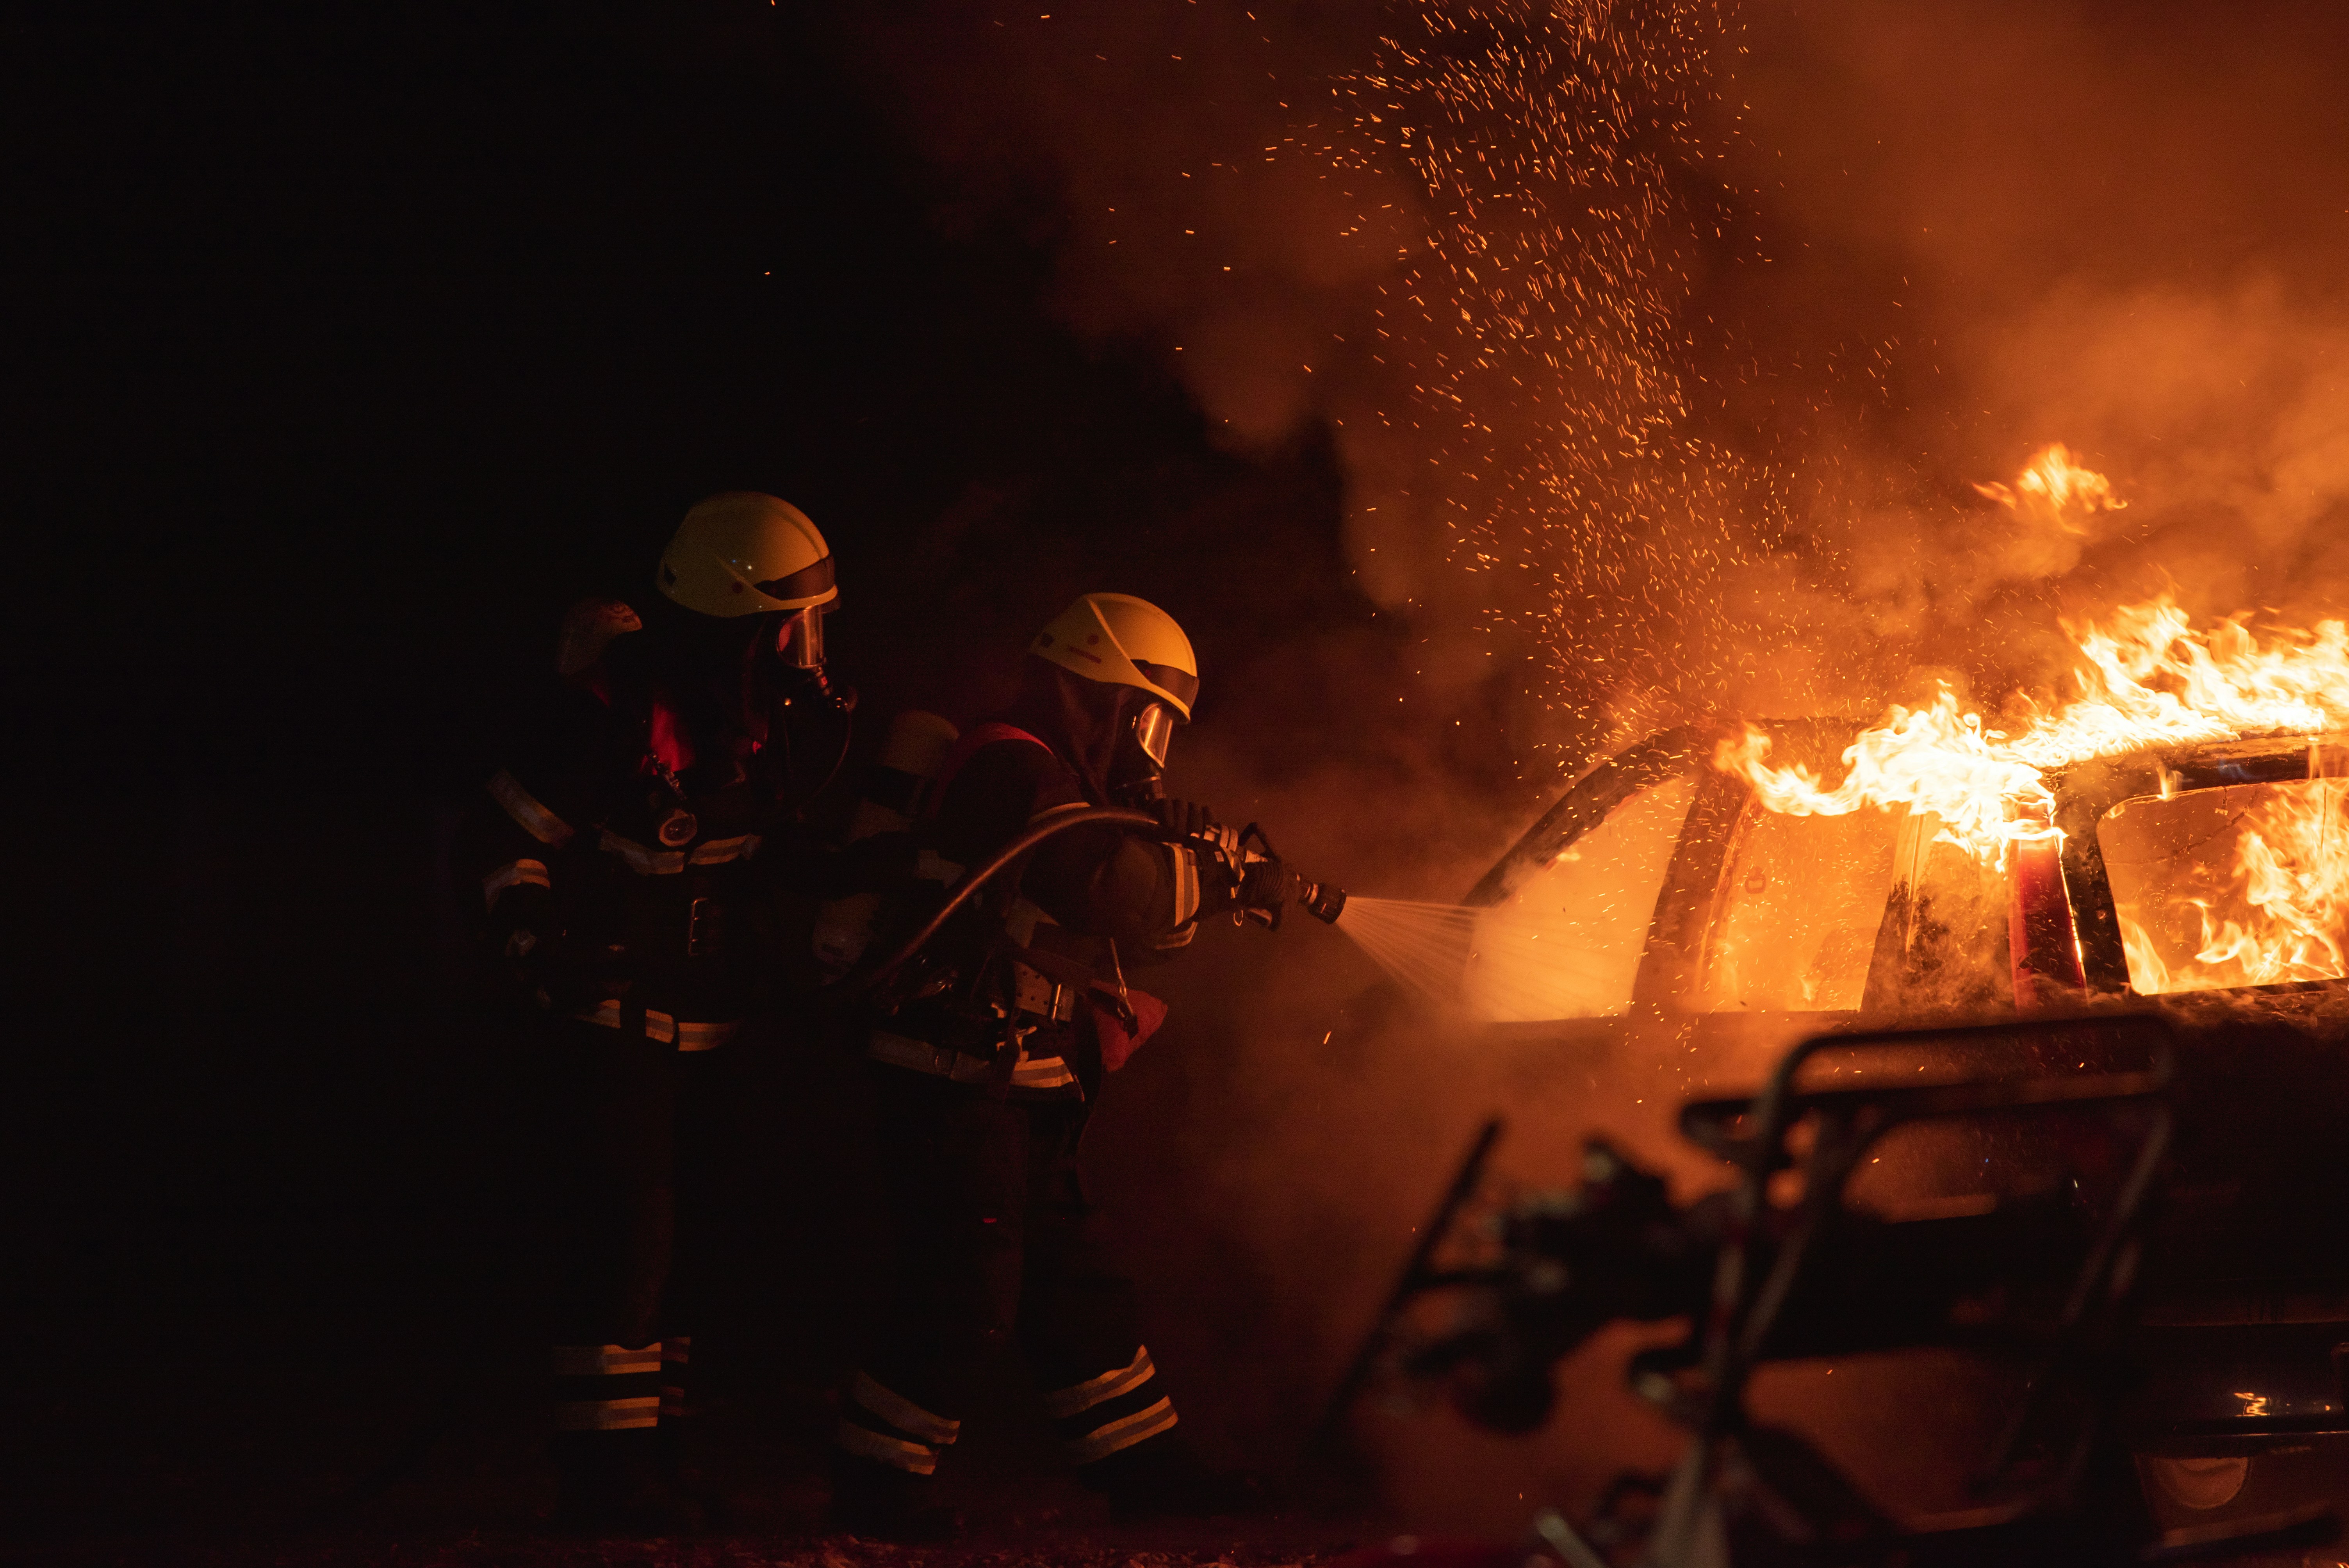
1268	888
1321	901
1263	885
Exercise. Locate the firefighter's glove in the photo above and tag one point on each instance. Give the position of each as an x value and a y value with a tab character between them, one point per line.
544	964
1185	818
1215	850
1266	884
1215	847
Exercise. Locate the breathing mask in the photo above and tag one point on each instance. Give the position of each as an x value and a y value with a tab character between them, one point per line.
789	659
1140	759
799	641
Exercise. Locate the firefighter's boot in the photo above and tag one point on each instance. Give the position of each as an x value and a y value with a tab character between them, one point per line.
677	1418
882	1502
612	1472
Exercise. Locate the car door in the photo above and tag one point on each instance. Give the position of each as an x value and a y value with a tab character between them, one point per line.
1659	894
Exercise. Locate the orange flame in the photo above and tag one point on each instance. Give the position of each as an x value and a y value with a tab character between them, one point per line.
2151	679
2055	487
2281	912
2148	677
1934	760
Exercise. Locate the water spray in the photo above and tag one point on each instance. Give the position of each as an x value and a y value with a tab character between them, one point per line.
1424	945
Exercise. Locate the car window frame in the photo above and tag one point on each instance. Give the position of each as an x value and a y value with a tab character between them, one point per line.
2085	793
1670	970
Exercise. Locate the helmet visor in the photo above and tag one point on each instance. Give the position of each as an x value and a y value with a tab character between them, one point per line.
1153	728
808	583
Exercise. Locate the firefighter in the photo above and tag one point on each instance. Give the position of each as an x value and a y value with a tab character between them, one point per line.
641	804
991	1062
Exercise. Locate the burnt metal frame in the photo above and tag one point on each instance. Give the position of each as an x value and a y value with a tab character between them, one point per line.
1729	1345
1671	754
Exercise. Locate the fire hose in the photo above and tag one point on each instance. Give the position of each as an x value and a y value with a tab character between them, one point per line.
1319	899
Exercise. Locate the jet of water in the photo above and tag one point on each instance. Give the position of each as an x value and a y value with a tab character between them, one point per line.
1424	945
1494	969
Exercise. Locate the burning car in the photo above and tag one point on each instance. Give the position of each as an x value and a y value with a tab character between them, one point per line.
2171	850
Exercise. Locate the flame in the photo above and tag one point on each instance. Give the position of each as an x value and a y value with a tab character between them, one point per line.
1934	760
2147	677
2057	490
2282	914
2151	679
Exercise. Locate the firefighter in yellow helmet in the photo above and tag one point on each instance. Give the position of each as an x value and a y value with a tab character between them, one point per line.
637	801
989	1066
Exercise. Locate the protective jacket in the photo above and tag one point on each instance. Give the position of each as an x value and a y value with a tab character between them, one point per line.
618	848
628	849
1013	993
987	1068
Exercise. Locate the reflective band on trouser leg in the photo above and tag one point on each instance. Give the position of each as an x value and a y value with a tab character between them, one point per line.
879	1423
1079	1398
1111	1411
663	1027
1123	1433
677	1353
606	1388
658	1025
901	1412
915	1458
703	1037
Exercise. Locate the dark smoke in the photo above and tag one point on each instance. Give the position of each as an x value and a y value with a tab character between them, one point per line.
2117	227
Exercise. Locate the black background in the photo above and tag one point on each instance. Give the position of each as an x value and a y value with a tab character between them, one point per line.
349	348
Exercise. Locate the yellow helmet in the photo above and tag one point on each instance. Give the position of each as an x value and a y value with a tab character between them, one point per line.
1120	640
744	553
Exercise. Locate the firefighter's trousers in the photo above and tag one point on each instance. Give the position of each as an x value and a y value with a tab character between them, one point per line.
994	1240
628	1163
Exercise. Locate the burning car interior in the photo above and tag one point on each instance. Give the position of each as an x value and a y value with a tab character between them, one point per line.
1665	881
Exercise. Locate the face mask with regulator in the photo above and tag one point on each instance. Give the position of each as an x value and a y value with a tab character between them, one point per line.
799	651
